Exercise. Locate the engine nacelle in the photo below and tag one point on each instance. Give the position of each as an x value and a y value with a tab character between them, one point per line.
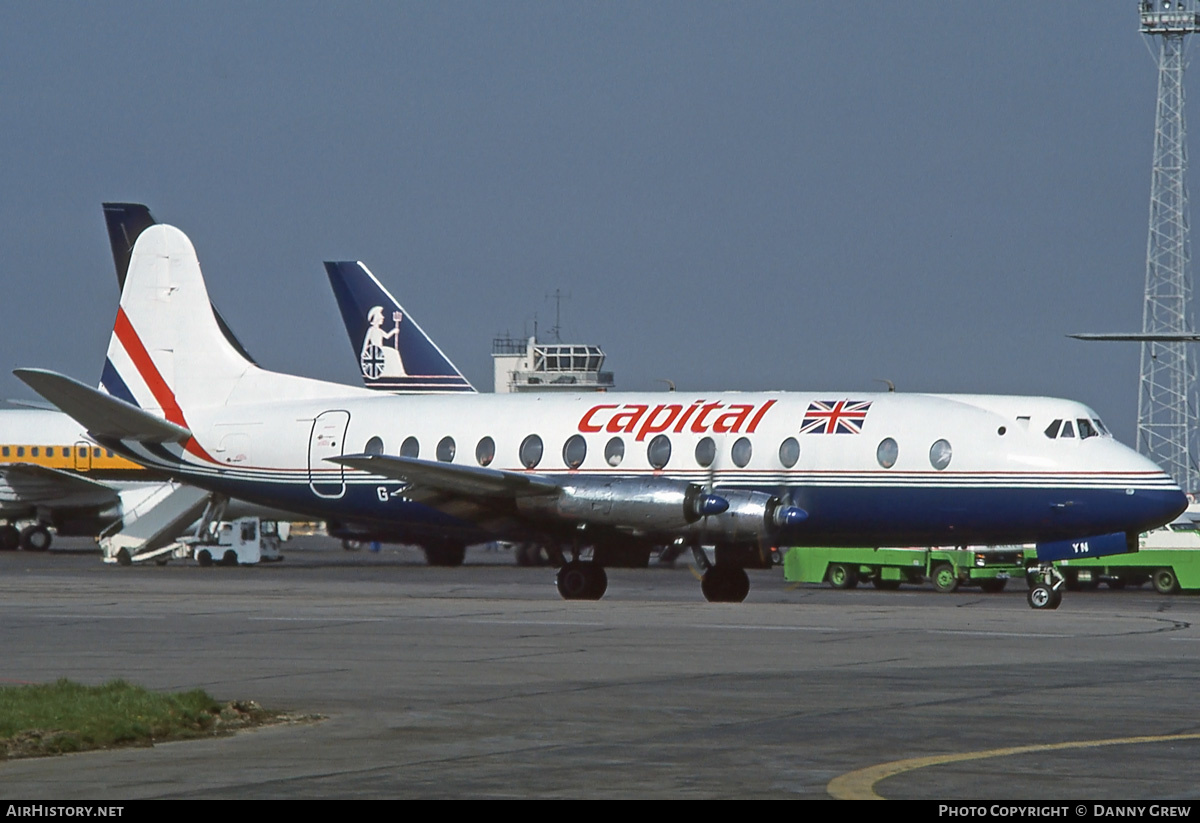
751	517
651	505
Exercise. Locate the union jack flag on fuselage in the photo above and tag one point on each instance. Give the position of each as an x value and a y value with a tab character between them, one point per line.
835	417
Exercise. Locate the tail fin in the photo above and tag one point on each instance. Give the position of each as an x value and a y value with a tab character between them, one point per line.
167	350
126	222
394	353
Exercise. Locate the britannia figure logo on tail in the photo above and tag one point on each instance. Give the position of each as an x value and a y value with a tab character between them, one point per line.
378	358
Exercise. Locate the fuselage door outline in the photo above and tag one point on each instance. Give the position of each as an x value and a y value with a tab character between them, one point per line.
327	439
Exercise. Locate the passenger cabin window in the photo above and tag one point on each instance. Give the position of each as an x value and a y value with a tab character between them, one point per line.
6	451
574	451
939	454
1068	430
1085	429
659	451
789	452
706	452
445	450
614	451
49	451
20	451
741	452
531	451
485	451
374	446
887	453
35	451
1052	429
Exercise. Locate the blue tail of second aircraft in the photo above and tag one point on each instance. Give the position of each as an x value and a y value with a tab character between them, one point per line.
394	353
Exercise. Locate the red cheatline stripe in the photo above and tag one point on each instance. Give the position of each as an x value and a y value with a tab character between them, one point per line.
146	368
128	338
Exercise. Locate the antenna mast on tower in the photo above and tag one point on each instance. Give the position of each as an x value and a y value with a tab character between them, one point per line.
1167	406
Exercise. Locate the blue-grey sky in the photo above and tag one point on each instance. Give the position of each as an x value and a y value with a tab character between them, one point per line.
736	195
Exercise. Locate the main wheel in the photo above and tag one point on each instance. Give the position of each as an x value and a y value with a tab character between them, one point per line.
842	576
579	580
1042	596
10	538
944	578
725	584
1165	581
451	555
35	538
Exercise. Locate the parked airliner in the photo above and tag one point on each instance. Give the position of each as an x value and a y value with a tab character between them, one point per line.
616	473
51	477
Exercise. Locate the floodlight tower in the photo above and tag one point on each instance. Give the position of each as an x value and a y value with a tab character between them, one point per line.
1167	400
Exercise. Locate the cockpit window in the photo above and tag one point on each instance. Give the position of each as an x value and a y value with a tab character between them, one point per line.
1052	429
1068	430
1100	427
1085	429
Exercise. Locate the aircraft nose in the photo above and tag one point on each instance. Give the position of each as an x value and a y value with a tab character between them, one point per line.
1158	499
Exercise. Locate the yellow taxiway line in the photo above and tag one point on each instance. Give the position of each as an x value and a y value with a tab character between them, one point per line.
860	784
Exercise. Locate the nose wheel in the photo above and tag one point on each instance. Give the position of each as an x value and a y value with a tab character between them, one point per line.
1045	588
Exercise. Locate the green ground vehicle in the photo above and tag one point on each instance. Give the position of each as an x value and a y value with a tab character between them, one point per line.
1169	558
990	568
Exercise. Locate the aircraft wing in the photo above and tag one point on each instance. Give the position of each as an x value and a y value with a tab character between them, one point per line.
101	414
448	478
26	484
1161	337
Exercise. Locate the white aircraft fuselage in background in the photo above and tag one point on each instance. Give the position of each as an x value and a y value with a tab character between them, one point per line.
812	468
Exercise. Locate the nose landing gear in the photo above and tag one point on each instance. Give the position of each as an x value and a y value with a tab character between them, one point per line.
1046	585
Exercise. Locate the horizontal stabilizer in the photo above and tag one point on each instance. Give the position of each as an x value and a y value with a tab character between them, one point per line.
1148	337
101	414
29	484
31	404
446	477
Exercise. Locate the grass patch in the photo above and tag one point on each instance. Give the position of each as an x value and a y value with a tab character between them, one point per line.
63	717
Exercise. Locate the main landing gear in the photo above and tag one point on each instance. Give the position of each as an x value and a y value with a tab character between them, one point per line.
723	581
1046	586
582	580
33	538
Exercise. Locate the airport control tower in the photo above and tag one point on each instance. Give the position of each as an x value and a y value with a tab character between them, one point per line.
1167	399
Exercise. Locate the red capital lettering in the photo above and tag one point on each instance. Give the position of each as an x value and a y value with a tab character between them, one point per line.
759	416
698	426
626	421
652	426
732	421
684	417
585	422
